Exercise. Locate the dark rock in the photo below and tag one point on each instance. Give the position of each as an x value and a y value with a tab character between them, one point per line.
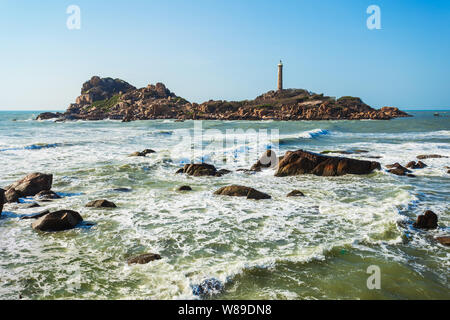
295	193
444	240
185	188
49	115
430	156
303	162
58	221
122	190
241	191
101	204
144	258
200	169
416	165
47	194
2	199
208	287
398	170
222	172
36	216
32	205
268	160
31	185
429	220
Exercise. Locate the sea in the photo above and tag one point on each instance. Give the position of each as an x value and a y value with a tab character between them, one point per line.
349	237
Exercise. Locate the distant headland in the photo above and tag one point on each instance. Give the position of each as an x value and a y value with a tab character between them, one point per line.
108	98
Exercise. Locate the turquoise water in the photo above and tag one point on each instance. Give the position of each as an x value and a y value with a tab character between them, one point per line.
316	247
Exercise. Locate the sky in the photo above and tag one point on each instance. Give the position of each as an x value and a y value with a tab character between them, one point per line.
227	49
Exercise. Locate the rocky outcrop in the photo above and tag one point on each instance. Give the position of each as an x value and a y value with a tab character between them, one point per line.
107	98
399	170
429	220
2	199
31	185
241	191
302	162
49	115
202	169
101	204
58	221
295	193
144	258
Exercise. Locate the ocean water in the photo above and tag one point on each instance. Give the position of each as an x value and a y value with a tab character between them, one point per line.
315	247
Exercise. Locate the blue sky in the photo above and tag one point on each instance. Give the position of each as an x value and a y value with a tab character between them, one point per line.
211	49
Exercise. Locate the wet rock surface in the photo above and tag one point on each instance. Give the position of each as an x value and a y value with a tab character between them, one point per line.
144	258
242	191
58	221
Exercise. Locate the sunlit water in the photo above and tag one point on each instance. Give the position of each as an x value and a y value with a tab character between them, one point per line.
314	247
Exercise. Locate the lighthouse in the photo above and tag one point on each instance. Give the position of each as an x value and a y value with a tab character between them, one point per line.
280	76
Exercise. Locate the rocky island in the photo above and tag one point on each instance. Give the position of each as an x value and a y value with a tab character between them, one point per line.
108	98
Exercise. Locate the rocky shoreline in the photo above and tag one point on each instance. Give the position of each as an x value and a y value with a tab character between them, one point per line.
107	98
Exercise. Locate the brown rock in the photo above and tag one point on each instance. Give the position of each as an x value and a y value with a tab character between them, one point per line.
295	193
416	165
200	169
241	191
101	204
31	185
430	156
58	221
303	162
144	258
444	240
399	170
428	220
11	195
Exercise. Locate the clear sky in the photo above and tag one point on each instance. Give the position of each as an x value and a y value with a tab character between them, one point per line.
227	49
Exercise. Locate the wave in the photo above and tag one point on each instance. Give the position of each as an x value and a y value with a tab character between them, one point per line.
37	146
310	134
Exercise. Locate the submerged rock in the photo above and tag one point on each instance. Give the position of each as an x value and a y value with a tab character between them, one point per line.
268	159
31	185
101	204
430	156
185	188
2	199
47	194
295	193
58	221
142	153
303	162
49	115
444	240
398	170
208	287
429	220
242	191
144	258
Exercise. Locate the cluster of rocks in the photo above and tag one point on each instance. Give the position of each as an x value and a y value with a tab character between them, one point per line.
107	98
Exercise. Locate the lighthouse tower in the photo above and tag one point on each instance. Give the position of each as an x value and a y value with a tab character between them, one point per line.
280	76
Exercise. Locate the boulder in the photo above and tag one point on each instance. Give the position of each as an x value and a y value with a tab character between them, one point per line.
268	159
430	156
241	191
428	220
444	240
398	169
2	199
416	165
31	185
185	188
295	193
303	162
101	204
142	153
200	169
144	258
58	221
49	115
47	194
12	195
